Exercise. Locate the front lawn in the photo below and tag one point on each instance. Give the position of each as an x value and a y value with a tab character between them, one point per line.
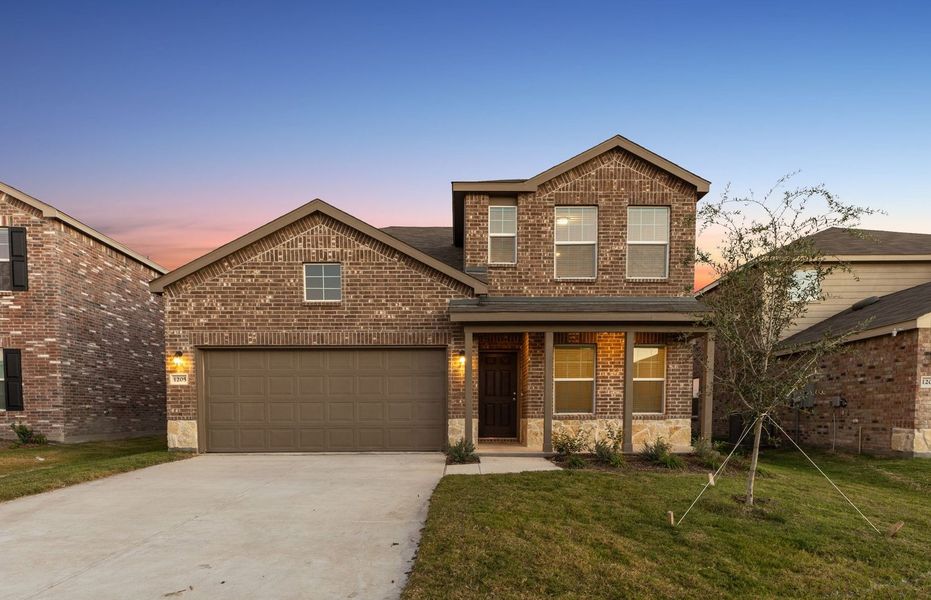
28	470
597	534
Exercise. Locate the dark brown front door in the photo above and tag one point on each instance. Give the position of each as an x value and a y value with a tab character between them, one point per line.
497	395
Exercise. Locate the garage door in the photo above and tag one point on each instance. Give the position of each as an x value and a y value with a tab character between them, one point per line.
324	400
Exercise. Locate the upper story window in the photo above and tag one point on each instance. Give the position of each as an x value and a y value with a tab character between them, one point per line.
649	379
13	272
805	286
323	282
502	233
647	242
576	246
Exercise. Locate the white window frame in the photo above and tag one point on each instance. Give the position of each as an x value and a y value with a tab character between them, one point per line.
648	243
513	235
318	301
557	244
799	278
593	379
8	259
664	378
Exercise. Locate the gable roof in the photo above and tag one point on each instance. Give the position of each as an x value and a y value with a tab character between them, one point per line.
864	245
315	206
617	141
906	309
51	212
435	241
514	186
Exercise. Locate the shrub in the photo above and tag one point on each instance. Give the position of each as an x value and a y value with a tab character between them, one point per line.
462	452
567	443
707	454
614	436
607	453
575	462
26	435
660	453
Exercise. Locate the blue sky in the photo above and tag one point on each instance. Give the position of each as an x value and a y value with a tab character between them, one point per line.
176	126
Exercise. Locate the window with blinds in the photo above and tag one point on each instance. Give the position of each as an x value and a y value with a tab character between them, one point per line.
647	242
502	235
649	379
574	379
576	243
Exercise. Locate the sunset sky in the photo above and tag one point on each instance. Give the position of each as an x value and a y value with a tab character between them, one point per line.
177	126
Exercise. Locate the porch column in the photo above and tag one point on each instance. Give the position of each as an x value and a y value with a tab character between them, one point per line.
548	391
630	338
468	386
707	400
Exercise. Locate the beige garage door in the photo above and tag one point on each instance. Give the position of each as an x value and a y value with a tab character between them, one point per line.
324	400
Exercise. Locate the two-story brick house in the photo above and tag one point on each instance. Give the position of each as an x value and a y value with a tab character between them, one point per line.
558	301
82	337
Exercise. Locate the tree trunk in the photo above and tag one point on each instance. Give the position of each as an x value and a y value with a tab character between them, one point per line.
754	458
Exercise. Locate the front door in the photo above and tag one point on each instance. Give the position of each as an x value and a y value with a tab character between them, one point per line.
497	394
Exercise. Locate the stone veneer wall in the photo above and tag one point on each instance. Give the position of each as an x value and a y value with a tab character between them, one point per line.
90	333
255	298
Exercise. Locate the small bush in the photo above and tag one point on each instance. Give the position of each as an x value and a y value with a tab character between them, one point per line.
707	454
461	452
567	443
660	453
607	453
26	435
614	436
575	462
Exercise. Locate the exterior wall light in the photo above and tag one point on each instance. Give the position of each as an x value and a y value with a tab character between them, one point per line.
178	359
462	357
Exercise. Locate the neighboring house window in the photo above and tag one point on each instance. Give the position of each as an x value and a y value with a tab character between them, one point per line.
11	380
805	286
647	242
502	235
649	379
323	282
576	246
574	375
13	276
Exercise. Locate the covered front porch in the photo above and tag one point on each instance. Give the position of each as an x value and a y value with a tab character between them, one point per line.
535	367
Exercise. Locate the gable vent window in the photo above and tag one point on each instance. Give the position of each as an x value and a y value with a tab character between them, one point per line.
576	247
11	380
13	276
647	242
323	282
502	235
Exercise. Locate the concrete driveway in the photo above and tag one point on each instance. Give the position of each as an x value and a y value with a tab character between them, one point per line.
224	526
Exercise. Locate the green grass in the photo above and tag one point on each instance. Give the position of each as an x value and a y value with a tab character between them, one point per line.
595	534
23	473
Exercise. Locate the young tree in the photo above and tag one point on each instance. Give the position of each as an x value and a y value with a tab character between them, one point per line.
769	272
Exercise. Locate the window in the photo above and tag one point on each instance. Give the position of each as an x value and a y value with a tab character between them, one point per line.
647	242
323	282
576	246
574	375
13	259
502	235
11	380
649	379
805	286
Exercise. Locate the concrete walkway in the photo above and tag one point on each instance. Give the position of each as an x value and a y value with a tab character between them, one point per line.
502	464
224	526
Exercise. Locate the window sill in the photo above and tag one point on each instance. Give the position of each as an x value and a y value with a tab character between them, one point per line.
323	301
576	416
649	416
647	279
575	279
501	265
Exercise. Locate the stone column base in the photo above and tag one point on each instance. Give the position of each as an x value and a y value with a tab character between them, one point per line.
911	441
455	430
182	435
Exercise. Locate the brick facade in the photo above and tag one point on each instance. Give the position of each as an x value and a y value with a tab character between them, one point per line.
90	333
886	410
612	182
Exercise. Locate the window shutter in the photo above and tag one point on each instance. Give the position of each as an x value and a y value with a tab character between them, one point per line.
18	258
13	364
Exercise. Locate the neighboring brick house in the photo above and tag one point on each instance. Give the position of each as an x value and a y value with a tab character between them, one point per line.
549	303
870	396
81	334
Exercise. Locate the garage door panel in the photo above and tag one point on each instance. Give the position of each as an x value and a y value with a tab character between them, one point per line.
325	399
